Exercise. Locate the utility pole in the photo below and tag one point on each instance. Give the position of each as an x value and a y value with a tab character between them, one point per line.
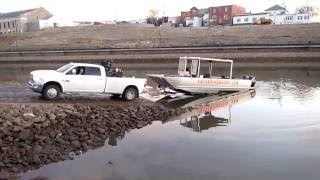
15	24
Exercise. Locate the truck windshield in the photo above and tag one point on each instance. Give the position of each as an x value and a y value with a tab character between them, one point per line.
64	68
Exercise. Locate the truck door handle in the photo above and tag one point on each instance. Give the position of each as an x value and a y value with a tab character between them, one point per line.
66	80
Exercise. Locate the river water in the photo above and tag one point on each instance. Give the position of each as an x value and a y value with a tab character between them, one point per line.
272	133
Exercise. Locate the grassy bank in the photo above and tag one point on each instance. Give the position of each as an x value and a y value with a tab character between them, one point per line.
135	36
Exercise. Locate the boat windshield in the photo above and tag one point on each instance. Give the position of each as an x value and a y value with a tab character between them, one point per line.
188	68
194	67
64	68
182	65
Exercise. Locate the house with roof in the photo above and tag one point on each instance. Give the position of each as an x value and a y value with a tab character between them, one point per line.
249	18
23	21
275	15
291	18
280	15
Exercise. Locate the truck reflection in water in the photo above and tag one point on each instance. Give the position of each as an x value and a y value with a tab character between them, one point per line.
200	117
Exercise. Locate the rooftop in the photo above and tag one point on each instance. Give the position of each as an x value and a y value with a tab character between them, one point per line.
250	14
14	14
275	8
43	13
194	8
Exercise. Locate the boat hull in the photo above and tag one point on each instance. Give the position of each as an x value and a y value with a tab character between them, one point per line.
203	85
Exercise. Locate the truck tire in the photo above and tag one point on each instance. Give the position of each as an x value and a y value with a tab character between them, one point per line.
51	92
130	94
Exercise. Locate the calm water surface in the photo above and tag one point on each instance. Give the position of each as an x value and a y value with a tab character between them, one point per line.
272	134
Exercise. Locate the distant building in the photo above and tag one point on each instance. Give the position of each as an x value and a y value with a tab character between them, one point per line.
185	14
195	17
223	15
137	21
110	22
134	21
22	21
83	23
189	21
172	20
204	14
197	22
194	12
249	18
276	14
291	19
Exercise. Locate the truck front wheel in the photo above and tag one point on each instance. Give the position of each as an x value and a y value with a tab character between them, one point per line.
51	92
130	94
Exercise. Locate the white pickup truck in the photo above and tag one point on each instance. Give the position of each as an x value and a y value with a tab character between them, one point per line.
84	78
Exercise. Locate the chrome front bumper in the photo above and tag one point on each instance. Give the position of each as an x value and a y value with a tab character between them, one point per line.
34	87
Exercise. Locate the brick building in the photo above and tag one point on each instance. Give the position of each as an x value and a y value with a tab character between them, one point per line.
22	21
223	15
192	13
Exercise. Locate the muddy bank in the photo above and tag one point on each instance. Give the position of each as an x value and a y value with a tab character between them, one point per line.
32	135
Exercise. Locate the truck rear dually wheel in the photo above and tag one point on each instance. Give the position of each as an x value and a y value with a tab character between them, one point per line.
51	92
130	94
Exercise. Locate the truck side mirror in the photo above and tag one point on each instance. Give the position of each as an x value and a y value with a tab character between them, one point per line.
74	71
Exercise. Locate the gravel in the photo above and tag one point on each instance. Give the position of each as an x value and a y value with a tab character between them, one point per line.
32	135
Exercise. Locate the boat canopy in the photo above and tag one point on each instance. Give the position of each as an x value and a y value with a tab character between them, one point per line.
195	65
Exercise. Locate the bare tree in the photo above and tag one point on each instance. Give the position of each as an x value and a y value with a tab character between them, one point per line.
312	10
153	13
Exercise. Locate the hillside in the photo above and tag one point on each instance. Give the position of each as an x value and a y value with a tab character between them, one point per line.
137	36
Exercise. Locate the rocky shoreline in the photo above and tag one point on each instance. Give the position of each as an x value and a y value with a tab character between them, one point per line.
32	135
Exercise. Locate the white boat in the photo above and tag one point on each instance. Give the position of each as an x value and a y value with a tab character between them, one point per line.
190	80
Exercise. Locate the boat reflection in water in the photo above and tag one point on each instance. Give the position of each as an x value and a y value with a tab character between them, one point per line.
200	117
201	123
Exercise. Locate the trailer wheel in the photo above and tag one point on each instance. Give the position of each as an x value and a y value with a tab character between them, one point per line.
51	92
130	93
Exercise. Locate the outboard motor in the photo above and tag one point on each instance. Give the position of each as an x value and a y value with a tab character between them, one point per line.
106	64
252	78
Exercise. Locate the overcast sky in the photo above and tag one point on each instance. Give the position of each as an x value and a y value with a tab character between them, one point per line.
136	9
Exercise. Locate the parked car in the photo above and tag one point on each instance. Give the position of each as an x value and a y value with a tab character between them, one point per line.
84	78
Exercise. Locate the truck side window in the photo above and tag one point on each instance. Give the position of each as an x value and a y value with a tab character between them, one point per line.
71	72
92	71
77	71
